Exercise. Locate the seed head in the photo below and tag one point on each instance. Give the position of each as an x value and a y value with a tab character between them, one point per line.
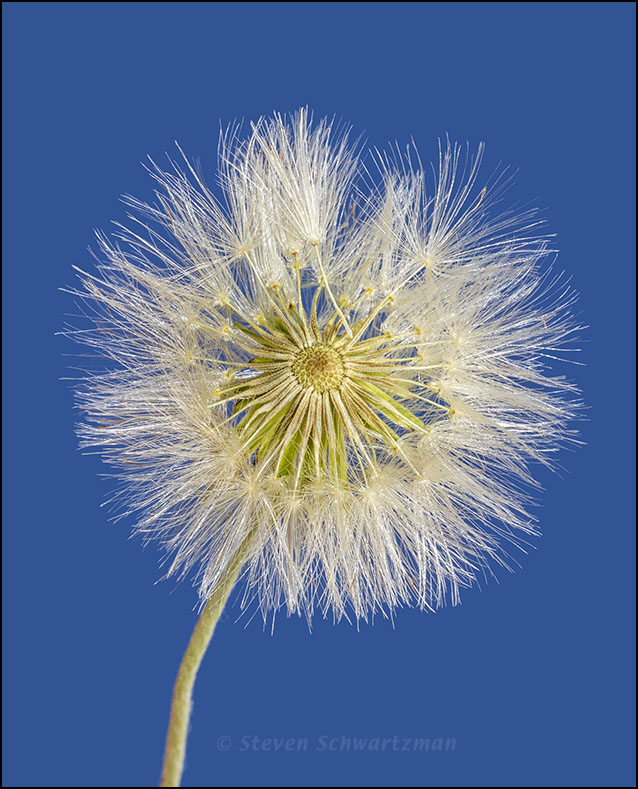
347	387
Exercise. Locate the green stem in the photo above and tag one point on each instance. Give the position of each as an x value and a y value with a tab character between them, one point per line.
181	704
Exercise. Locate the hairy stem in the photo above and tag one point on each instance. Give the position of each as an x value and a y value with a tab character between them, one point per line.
181	704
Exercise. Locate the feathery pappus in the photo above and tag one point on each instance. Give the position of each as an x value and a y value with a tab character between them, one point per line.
341	378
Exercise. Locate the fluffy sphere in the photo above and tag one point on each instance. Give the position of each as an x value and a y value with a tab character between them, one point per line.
344	383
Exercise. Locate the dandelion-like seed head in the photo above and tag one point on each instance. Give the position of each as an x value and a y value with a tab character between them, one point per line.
347	388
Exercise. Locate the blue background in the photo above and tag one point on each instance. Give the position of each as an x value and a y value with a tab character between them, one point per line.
532	675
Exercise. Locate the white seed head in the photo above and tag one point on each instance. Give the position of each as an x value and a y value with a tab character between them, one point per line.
347	388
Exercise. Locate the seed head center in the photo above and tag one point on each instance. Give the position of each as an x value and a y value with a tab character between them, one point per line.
319	367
